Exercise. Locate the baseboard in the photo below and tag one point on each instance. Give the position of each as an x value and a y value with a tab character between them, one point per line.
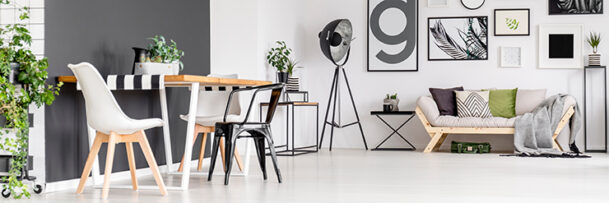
72	184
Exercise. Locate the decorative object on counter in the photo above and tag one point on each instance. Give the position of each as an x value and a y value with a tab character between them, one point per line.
458	38
584	104
279	57
560	46
437	3
472	4
164	58
571	7
28	88
512	22
393	38
292	84
141	55
511	57
410	115
387	107
335	43
393	101
594	40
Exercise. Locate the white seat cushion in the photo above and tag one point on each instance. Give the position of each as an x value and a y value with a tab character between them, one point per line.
474	122
134	125
212	120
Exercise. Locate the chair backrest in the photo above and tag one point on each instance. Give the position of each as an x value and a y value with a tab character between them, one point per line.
213	103
274	101
103	112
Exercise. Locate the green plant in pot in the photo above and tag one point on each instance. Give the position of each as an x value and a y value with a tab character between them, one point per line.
164	58
594	40
22	83
279	57
393	100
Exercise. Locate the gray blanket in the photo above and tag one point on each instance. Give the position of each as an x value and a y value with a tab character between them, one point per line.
534	130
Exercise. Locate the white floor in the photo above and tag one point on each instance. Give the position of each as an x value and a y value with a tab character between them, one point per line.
383	176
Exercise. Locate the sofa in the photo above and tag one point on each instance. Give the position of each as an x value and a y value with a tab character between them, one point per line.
440	126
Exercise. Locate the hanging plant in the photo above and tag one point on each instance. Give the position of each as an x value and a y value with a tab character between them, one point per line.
22	82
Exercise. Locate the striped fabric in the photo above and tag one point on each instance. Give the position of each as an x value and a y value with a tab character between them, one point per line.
150	82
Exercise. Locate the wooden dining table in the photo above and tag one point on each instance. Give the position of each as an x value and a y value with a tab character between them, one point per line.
193	82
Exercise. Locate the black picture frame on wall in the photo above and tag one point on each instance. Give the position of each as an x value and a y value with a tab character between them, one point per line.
555	7
498	22
445	42
409	64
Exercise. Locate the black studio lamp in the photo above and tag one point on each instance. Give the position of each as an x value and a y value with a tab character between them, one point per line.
335	42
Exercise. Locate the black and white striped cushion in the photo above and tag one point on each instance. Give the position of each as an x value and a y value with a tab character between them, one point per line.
134	82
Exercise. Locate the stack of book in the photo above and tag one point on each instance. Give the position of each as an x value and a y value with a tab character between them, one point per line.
292	84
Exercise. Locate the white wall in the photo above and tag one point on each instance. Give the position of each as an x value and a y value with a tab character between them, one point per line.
298	23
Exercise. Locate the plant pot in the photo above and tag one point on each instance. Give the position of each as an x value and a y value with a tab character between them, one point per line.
149	68
282	77
594	59
14	74
394	103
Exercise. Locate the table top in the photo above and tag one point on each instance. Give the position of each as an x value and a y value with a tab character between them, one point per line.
392	112
187	79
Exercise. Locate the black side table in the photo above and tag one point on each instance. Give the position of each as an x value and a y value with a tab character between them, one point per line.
410	115
604	71
294	150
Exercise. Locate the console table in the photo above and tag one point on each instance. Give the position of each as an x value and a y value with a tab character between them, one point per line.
409	114
295	151
194	83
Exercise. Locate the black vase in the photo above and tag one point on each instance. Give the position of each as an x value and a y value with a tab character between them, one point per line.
282	77
140	56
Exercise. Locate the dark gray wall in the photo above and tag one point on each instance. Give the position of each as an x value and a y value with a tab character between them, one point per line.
102	33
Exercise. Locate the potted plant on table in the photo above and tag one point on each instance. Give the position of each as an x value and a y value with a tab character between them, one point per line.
279	57
594	40
22	83
393	101
164	58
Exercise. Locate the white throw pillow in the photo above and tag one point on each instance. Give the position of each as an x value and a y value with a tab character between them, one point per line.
527	100
473	104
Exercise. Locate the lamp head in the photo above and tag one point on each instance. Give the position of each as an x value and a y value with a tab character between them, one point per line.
335	39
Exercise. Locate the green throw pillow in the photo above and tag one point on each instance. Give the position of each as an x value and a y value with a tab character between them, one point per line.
503	102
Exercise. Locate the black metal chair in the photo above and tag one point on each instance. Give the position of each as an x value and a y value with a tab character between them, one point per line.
259	131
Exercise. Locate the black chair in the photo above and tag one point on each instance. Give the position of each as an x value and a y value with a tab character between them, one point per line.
259	131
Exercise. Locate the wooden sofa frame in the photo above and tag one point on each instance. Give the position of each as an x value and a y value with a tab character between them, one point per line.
439	134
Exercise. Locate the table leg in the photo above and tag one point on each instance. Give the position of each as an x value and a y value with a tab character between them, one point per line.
166	135
190	129
95	171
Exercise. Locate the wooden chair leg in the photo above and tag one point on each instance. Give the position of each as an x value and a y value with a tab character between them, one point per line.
222	153
109	161
132	167
237	156
151	162
202	153
433	142
181	168
89	164
557	145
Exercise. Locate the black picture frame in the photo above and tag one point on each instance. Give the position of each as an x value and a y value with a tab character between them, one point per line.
483	2
513	9
454	17
368	42
553	10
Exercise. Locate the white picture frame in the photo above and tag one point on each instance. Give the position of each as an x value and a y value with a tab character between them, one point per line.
572	58
511	57
437	3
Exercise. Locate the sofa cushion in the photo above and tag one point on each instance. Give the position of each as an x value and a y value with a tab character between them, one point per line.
473	104
445	99
503	102
527	100
473	122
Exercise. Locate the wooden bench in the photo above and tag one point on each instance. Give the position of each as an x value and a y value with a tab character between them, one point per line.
439	134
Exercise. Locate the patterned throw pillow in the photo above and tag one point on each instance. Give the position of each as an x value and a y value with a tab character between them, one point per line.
473	104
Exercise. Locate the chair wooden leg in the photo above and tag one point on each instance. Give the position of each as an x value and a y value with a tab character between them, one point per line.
238	160
151	162
237	156
132	167
222	153
433	142
89	164
109	161
202	153
557	145
194	138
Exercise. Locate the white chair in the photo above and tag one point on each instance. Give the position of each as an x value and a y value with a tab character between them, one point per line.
210	110
113	127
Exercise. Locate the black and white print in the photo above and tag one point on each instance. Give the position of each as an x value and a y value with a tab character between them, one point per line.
566	7
392	35
458	38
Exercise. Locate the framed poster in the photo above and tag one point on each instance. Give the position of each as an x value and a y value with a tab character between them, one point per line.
511	57
457	38
574	7
393	35
512	22
560	46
